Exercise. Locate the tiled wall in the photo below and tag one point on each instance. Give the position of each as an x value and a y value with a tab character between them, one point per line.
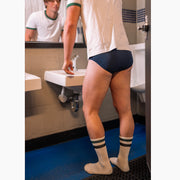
133	16
44	113
140	20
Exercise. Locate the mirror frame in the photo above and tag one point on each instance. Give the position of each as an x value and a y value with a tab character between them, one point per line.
36	44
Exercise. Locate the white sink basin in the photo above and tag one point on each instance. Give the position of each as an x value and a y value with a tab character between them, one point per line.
59	77
32	82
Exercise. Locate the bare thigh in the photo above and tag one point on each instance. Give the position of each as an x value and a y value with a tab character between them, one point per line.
120	89
95	86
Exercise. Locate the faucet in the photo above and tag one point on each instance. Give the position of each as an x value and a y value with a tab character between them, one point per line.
74	62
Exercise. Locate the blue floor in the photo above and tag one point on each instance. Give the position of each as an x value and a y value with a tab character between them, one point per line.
65	161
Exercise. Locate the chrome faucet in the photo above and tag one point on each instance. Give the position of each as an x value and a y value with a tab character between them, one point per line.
74	59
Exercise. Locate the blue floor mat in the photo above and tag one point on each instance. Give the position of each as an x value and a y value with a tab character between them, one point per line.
65	161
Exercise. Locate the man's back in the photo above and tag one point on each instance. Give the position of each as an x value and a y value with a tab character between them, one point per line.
103	25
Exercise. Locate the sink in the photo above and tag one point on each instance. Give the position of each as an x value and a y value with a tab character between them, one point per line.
32	82
59	77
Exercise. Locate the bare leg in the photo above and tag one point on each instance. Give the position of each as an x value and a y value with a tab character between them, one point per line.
95	86
120	88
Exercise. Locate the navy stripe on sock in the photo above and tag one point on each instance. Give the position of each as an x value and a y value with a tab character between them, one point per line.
100	146
127	140
126	145
98	141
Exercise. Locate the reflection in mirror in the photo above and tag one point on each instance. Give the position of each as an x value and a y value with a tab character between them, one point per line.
44	21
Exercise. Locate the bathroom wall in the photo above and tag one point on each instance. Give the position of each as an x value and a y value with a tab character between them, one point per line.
133	17
44	113
141	36
129	19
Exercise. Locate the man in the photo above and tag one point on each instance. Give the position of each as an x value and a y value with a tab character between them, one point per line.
48	24
109	65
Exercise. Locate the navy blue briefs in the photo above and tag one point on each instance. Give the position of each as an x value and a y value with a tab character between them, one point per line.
114	60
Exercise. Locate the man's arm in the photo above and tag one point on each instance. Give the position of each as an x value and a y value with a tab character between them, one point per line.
69	36
29	34
62	35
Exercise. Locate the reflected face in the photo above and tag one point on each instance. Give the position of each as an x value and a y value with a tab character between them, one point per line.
53	5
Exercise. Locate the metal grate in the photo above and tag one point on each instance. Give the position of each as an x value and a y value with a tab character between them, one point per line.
138	171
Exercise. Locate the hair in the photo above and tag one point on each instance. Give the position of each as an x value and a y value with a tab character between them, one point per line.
45	1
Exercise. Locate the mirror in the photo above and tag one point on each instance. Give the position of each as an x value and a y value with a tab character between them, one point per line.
133	16
36	8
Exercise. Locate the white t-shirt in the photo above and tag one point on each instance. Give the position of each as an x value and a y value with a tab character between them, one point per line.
102	25
48	29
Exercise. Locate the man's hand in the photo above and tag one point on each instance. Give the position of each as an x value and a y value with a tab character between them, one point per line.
68	67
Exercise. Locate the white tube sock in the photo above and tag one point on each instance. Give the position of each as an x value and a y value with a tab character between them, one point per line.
122	160
103	166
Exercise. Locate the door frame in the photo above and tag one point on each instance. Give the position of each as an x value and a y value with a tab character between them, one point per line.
148	85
